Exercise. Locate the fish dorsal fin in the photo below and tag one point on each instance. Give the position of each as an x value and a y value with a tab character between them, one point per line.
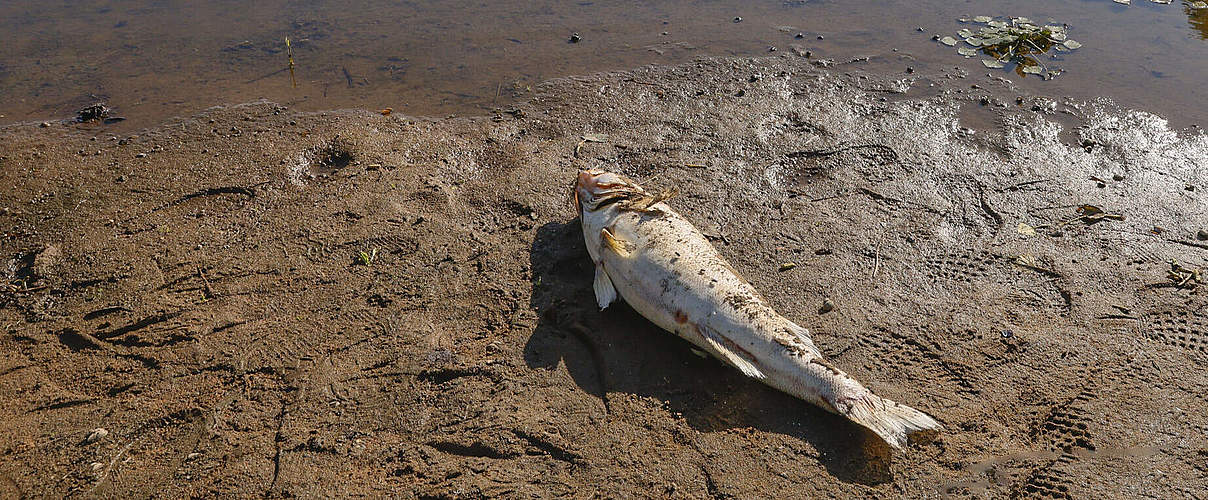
605	292
726	350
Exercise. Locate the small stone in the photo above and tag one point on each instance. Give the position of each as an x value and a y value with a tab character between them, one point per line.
120	179
823	251
737	19
44	124
1006	334
984	101
96	435
1117	177
574	38
141	155
771	49
909	69
1201	235
820	37
920	29
799	35
1189	188
787	265
96	466
827	306
753	78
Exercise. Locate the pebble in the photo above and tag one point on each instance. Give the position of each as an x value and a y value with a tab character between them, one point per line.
1201	235
738	19
827	306
141	155
44	124
96	435
799	35
574	38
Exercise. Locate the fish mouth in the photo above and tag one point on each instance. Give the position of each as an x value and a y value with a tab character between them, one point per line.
595	188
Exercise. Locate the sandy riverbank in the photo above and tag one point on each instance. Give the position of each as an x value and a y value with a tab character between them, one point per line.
197	290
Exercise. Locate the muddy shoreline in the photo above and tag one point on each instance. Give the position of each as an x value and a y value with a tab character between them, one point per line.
257	301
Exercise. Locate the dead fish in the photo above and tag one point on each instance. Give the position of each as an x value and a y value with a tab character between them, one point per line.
668	272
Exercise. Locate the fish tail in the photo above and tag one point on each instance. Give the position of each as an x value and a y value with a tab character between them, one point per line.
890	420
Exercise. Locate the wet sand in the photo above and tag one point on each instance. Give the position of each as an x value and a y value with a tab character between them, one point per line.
198	290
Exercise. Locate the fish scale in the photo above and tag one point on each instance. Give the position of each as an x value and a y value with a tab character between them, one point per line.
666	270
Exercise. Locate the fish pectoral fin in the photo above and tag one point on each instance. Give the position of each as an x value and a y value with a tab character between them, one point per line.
726	350
802	336
618	246
605	292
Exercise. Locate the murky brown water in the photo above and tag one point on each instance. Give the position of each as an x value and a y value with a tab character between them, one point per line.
151	60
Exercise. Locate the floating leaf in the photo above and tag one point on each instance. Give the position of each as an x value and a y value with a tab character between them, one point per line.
967	52
1032	70
1026	230
997	24
949	41
1199	5
990	63
974	41
964	33
1021	20
1071	44
1057	35
1125	2
983	19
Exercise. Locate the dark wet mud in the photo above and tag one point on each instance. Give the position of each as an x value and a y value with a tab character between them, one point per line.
260	301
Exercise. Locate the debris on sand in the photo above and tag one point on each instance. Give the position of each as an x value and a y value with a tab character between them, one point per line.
1184	277
94	112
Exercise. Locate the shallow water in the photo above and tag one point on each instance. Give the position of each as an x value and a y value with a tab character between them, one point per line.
151	60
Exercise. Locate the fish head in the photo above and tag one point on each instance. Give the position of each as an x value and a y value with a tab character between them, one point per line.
596	188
